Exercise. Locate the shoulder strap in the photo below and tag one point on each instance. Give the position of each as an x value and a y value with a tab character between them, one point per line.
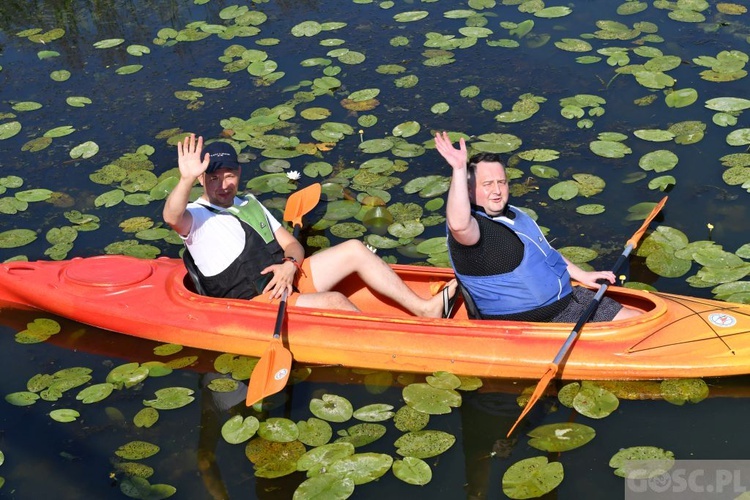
192	270
471	308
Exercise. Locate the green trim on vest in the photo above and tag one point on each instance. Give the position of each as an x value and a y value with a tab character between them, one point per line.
253	215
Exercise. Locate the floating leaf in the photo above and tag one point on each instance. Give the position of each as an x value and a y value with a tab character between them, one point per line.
85	150
641	462
64	415
431	400
332	408
407	419
273	459
127	375
594	402
9	129
146	417
561	436
15	238
532	478
658	161
609	149
315	432
376	412
681	98
237	430
329	486
95	393
23	398
324	455
137	450
280	430
424	444
108	43
728	104
412	470
739	137
678	391
406	17
170	398
362	434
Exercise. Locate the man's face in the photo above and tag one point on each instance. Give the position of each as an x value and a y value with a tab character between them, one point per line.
220	187
490	188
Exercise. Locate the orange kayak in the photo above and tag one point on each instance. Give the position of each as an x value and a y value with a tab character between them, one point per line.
677	336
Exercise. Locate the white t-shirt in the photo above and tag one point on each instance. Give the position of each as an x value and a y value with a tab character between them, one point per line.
216	240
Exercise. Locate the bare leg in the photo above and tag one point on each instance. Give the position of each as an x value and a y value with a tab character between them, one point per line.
626	312
336	263
326	300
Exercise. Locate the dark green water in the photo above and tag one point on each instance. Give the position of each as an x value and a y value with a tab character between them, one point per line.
74	460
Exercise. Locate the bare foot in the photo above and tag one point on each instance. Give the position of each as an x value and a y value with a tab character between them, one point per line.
438	304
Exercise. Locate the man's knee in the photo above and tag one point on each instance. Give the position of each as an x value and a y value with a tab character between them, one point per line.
340	301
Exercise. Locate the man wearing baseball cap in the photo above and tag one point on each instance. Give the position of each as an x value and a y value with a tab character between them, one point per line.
241	251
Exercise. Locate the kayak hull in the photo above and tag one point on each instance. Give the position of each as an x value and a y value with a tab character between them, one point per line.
677	336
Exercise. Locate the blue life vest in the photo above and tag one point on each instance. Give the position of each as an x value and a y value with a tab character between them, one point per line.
541	278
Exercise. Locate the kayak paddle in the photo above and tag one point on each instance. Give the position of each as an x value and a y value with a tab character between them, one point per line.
272	371
552	368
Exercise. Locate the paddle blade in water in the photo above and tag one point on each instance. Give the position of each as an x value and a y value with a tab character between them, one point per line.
538	391
633	241
271	373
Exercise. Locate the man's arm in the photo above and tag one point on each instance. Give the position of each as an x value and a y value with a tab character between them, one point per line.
588	278
461	224
284	272
191	167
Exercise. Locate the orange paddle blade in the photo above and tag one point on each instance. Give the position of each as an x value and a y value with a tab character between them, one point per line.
270	374
633	241
541	386
301	202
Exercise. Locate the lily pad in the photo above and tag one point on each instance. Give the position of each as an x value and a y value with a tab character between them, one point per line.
362	434
277	429
127	375
146	417
137	450
561	436
332	408
594	402
431	400
641	462
315	432
170	398
64	415
532	478
658	161
407	419
424	443
324	455
237	430
95	393
376	412
678	391
412	470
273	459
329	486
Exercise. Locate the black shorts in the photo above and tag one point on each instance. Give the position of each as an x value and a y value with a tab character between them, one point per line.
580	300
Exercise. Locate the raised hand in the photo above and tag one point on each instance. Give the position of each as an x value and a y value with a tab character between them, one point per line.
456	157
189	157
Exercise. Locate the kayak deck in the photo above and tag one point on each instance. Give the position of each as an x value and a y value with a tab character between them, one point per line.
677	336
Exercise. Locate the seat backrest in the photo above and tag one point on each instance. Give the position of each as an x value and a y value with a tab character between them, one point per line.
192	270
471	308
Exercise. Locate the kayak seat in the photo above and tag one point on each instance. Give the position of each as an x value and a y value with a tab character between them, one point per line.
471	308
192	270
